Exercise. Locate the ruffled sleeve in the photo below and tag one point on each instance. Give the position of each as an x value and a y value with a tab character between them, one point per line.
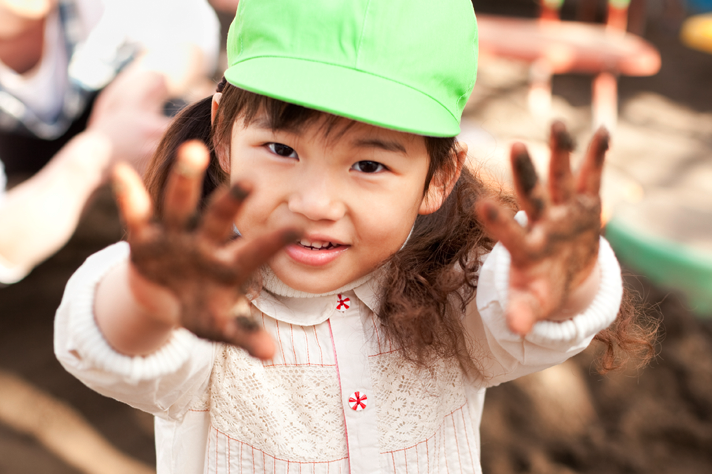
165	383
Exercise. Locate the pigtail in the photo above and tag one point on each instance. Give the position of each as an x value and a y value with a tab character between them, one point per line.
631	339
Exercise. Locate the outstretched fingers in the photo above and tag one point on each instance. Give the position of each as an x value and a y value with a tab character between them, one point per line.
132	199
589	178
530	193
561	183
219	217
184	185
523	311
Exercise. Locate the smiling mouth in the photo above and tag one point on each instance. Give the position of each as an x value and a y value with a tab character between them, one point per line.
315	253
318	245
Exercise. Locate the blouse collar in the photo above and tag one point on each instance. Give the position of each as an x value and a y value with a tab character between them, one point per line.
288	305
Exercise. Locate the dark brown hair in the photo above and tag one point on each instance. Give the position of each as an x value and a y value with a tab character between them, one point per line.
427	284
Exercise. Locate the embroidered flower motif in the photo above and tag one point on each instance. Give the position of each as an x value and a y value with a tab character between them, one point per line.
357	401
343	304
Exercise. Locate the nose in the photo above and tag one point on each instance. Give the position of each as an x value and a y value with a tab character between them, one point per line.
317	198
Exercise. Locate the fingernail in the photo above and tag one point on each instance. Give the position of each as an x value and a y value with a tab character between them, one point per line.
117	187
247	324
290	236
183	169
564	140
524	169
492	213
237	192
604	145
538	204
193	221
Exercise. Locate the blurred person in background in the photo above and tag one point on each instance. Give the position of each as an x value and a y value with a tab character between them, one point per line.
227	6
83	84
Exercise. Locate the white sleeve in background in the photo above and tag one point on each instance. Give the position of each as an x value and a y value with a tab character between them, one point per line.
504	355
165	383
163	24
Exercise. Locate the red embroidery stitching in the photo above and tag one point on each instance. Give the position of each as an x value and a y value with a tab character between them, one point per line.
356	401
464	425
343	303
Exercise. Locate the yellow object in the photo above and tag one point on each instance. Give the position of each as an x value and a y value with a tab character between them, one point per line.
696	32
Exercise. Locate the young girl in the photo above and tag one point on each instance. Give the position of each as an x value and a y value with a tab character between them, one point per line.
339	306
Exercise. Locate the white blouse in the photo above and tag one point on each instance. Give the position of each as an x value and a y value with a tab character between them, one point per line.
337	397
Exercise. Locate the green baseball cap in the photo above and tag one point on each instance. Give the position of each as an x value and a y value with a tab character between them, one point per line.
407	65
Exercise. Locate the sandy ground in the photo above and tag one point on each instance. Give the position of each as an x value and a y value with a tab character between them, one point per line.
26	323
564	420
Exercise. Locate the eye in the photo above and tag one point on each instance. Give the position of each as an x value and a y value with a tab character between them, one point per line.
282	150
368	166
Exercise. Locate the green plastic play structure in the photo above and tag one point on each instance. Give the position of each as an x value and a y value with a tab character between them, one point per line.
666	263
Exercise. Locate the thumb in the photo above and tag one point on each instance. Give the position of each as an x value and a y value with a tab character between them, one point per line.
523	312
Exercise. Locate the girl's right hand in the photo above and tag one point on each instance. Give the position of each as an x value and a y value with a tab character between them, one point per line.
195	276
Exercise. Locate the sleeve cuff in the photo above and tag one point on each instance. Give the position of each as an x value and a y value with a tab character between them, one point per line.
599	315
90	343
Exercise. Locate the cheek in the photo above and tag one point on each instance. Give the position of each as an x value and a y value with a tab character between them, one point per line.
388	224
254	215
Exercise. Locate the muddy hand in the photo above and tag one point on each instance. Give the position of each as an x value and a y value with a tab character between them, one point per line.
558	248
203	269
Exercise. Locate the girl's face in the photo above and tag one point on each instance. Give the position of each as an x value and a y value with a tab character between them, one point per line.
356	193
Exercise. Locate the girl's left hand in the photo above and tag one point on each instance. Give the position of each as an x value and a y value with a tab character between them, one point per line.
558	249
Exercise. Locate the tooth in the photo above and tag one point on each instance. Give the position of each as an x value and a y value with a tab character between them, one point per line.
305	243
317	245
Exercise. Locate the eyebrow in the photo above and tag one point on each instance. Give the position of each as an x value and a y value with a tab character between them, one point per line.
266	124
386	145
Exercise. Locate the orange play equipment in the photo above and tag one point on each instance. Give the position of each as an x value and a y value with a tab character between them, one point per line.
552	46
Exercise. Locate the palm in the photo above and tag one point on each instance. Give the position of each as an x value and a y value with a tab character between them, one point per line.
557	249
203	268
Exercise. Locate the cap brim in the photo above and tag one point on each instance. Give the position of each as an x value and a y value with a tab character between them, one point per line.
345	92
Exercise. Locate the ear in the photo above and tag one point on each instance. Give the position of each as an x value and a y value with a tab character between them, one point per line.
442	183
214	107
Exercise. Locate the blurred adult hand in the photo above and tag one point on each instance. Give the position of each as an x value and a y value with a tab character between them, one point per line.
227	6
126	125
129	112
